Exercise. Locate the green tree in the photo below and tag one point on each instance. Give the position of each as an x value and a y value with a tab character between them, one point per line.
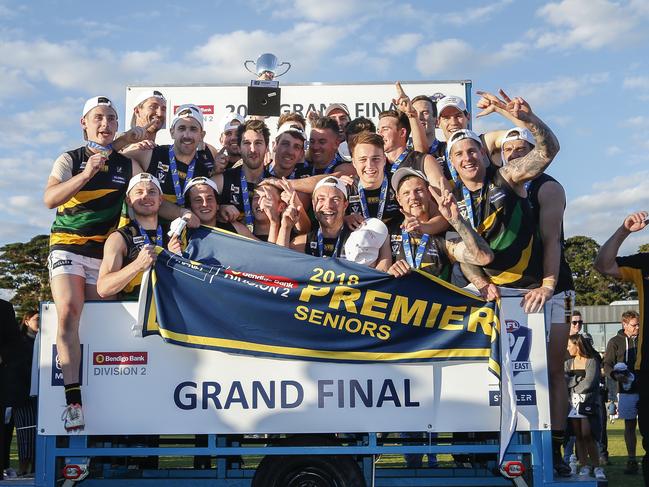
592	287
23	268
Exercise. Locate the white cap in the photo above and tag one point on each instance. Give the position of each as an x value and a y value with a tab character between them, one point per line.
200	180
363	244
144	95
293	129
343	151
188	111
519	133
404	172
143	177
336	106
333	182
97	101
228	119
450	101
461	135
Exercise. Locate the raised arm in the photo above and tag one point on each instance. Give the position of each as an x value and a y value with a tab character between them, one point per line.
538	159
417	130
605	260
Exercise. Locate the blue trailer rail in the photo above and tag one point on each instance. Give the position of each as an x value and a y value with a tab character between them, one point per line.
312	457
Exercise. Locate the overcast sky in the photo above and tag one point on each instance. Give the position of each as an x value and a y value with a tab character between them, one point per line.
582	65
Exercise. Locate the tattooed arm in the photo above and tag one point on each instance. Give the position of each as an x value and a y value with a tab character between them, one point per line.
488	290
470	247
518	110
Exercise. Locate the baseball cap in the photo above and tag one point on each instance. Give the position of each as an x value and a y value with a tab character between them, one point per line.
97	101
143	177
228	119
200	180
363	244
461	135
336	106
144	95
450	101
404	172
519	133
188	111
343	151
293	129
331	181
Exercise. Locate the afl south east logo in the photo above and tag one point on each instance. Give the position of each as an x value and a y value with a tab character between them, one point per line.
520	341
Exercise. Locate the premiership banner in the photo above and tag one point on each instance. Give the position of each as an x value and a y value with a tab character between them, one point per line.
242	296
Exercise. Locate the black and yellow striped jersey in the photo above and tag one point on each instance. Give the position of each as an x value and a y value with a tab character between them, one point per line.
635	268
506	221
83	223
134	242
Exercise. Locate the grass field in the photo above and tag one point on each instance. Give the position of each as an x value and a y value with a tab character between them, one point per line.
614	472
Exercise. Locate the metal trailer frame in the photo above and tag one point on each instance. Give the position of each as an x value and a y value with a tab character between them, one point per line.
532	448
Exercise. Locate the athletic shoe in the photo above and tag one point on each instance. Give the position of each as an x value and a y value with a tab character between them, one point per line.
631	467
561	468
10	473
585	471
599	473
73	418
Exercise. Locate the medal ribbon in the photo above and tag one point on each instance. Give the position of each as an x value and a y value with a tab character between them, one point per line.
321	244
382	197
407	249
178	189
247	208
399	160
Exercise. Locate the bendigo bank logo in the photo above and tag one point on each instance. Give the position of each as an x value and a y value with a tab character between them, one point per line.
57	370
120	358
520	341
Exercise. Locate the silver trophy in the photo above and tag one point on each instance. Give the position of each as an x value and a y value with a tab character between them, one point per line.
266	66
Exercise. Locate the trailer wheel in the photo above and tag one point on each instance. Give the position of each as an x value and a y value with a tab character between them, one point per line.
308	471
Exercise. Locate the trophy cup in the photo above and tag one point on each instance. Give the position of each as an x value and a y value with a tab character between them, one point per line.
266	67
264	92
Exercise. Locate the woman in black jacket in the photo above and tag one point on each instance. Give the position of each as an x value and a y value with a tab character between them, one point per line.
24	414
583	371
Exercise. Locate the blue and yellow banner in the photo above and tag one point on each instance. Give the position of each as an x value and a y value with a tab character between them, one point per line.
242	296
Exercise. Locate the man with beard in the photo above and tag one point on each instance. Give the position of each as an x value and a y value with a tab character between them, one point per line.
340	113
228	139
130	250
288	159
237	185
322	157
175	164
87	186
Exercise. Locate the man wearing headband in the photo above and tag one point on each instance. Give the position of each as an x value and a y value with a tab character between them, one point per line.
174	164
130	250
412	248
87	186
371	195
